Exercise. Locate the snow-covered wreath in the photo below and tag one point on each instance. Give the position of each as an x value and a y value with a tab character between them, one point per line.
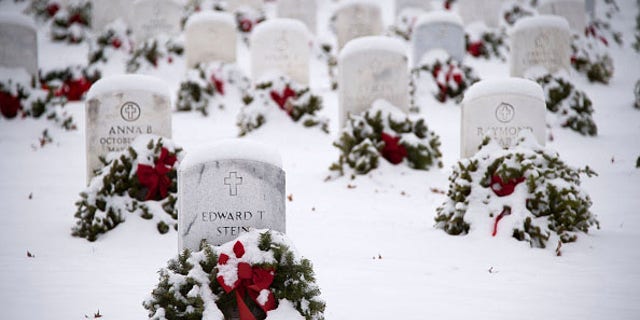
69	23
20	96
450	77
571	107
526	192
153	52
71	82
116	37
276	94
256	276
590	55
140	180
385	131
482	42
207	83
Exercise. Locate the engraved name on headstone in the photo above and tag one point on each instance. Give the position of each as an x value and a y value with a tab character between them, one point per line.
500	109
120	108
227	189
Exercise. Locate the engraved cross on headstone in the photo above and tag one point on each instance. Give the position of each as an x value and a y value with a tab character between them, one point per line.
130	110
233	181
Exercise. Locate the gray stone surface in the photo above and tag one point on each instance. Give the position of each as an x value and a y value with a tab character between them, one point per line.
151	18
219	199
303	10
487	11
572	10
416	4
357	19
446	34
106	11
210	36
18	44
114	118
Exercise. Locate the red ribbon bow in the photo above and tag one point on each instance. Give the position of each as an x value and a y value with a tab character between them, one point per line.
218	83
74	89
9	105
155	178
281	100
476	48
252	281
393	151
504	188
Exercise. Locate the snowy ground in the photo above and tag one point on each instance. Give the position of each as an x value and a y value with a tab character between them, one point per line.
374	248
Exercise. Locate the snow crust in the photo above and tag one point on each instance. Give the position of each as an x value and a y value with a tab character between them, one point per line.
509	85
540	21
128	82
372	43
209	16
19	19
277	25
233	149
544	2
349	3
17	75
440	16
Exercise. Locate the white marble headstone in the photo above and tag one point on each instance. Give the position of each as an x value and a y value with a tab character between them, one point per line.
232	5
423	5
120	108
438	30
487	11
210	36
540	41
572	10
151	18
106	11
590	6
372	68
281	46
18	43
303	10
227	189
355	19
500	109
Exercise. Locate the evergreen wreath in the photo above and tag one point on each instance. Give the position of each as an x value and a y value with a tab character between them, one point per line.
150	53
278	93
530	184
327	52
450	76
71	83
43	10
19	96
515	11
140	180
71	23
589	56
405	22
115	37
207	83
252	276
487	44
385	131
572	107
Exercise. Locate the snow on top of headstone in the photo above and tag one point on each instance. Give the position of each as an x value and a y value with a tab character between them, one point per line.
350	3
373	43
142	1
545	2
210	16
233	149
278	24
440	16
19	19
129	82
544	20
501	86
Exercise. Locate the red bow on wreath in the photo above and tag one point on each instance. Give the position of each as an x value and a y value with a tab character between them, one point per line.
74	89
252	280
393	151
501	189
155	178
9	105
281	99
218	83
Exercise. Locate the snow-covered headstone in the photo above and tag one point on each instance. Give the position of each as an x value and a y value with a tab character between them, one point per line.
119	109
438	30
357	18
151	18
280	46
500	109
540	41
487	11
303	10
233	5
372	68
104	12
415	4
210	36
226	190
572	10
18	43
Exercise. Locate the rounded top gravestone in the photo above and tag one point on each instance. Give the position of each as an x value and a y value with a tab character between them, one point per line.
210	36
575	11
19	43
303	10
500	109
119	109
438	30
357	18
228	189
281	46
540	41
372	68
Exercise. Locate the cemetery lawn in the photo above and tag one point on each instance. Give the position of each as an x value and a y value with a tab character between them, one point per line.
375	251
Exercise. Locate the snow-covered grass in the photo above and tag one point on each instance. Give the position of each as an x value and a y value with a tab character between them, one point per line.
375	251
